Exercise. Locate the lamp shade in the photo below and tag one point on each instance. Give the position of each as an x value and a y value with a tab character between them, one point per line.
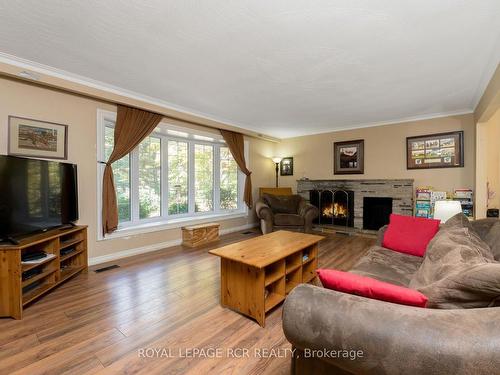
443	210
277	159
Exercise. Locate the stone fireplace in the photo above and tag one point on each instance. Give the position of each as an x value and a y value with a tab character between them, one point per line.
383	198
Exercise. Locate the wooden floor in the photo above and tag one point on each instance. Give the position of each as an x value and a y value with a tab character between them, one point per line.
166	300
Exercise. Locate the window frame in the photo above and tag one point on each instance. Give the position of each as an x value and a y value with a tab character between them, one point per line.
165	220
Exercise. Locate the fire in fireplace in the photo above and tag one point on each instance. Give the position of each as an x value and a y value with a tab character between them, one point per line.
336	207
336	210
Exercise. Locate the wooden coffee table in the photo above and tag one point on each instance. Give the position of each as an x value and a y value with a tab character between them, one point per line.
257	274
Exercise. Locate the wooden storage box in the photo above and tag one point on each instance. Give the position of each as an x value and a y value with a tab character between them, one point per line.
197	235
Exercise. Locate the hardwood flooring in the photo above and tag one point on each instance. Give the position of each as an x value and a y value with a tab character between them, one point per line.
167	300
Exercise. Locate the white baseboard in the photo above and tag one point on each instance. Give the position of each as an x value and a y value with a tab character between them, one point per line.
157	246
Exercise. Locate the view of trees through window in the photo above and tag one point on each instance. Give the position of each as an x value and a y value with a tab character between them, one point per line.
121	176
142	189
228	180
150	178
203	178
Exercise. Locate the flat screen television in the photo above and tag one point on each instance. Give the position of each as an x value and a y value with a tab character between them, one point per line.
36	195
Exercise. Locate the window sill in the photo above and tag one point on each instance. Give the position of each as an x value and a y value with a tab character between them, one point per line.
157	226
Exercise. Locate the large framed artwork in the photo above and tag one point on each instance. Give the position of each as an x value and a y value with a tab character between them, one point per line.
348	157
442	150
286	166
34	138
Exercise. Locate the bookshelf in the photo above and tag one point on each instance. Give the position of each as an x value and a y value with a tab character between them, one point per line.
425	197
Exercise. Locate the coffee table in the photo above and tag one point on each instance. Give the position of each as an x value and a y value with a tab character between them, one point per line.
257	274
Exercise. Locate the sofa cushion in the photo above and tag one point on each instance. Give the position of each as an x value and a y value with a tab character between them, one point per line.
288	220
457	221
387	265
458	271
409	235
489	231
371	288
283	204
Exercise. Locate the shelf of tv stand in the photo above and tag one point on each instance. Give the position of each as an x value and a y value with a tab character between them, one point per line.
40	276
12	298
68	243
70	255
69	272
33	294
30	266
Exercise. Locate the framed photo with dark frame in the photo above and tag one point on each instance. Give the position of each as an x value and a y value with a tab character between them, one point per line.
441	150
348	157
39	139
286	167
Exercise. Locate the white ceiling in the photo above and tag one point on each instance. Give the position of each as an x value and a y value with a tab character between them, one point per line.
279	67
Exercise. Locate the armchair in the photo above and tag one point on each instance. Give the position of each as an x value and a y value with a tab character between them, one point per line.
285	212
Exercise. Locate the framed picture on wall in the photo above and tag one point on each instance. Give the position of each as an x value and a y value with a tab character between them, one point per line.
348	157
34	138
442	150
286	166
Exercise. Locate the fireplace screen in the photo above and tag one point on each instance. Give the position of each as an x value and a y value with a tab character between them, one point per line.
336	207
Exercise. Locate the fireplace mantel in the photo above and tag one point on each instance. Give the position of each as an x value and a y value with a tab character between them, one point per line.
400	190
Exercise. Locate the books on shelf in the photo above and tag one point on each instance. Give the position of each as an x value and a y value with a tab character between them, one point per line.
466	199
426	197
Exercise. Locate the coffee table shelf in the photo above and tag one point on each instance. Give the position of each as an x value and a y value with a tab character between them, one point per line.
257	274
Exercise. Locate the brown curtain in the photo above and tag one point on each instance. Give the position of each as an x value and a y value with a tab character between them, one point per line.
132	126
237	147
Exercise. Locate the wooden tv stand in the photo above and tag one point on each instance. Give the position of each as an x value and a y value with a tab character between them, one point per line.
17	291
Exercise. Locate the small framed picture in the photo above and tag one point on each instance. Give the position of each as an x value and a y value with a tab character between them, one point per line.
286	167
442	150
348	157
40	139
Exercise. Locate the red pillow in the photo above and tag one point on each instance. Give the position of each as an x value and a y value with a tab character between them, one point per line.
367	287
409	235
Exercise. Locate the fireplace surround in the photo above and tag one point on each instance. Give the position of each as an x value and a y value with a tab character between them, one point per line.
399	190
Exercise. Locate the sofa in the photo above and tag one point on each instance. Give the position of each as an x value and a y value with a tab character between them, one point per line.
337	333
291	212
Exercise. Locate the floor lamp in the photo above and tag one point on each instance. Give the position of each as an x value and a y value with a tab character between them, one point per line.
277	161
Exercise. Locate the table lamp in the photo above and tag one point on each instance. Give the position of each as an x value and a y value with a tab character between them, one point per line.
443	210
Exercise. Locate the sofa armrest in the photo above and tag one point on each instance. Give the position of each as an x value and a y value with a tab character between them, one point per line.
263	211
381	234
393	339
307	209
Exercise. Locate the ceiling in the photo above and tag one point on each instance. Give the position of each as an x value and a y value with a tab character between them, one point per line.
282	68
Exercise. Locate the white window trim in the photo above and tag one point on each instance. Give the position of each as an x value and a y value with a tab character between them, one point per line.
166	221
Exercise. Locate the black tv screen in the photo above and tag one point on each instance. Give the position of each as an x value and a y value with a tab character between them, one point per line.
36	195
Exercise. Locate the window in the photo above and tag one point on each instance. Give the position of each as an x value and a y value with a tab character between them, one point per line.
203	178
149	177
177	177
228	180
173	175
121	175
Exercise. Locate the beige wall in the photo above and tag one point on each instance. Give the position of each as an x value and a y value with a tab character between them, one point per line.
80	113
490	100
488	164
385	153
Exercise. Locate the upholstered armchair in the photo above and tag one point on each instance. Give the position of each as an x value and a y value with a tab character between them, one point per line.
285	212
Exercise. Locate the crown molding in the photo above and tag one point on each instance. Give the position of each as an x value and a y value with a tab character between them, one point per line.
402	120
